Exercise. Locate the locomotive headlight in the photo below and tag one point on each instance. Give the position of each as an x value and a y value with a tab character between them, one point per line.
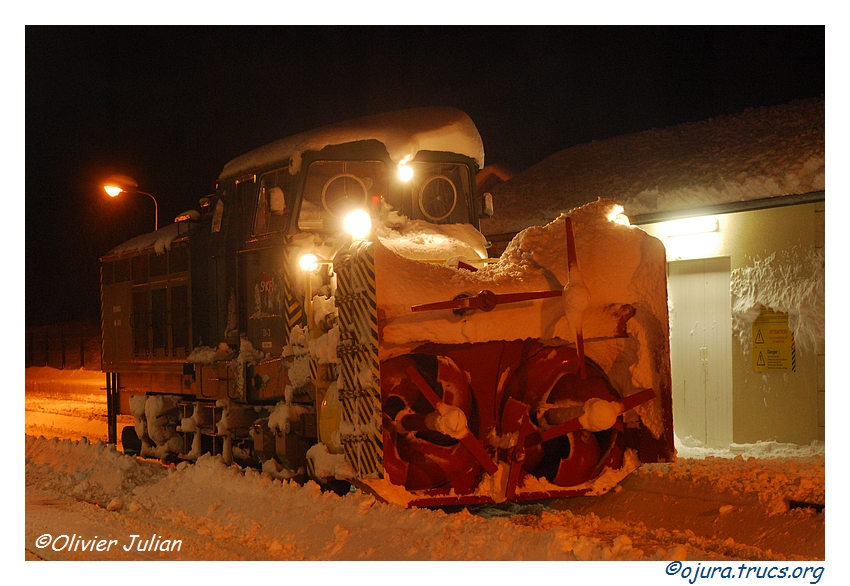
308	262
405	173
358	223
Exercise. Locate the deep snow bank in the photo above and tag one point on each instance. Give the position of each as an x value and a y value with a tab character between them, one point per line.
264	518
281	520
619	264
96	473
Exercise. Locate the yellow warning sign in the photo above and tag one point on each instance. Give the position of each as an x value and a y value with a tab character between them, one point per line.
773	343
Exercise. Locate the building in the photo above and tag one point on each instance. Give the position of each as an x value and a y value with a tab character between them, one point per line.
739	203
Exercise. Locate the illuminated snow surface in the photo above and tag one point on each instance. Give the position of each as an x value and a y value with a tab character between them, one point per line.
717	505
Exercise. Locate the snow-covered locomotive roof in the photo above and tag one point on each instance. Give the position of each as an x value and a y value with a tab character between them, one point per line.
404	133
160	240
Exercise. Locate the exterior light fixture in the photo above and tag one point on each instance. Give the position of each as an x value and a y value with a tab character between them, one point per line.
118	184
688	226
308	263
689	238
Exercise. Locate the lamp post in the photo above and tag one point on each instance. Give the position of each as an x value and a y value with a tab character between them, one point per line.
122	183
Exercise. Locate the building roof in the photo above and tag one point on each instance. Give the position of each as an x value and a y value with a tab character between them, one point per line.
761	153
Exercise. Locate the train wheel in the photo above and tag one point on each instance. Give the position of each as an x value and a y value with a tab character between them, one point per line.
130	441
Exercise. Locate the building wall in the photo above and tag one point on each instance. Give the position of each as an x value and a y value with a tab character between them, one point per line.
776	259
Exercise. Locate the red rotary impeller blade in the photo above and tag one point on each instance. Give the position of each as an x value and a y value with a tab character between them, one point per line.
636	399
485	300
515	419
561	429
469	441
574	280
575	424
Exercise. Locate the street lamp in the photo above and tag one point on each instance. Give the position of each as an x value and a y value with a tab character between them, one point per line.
122	183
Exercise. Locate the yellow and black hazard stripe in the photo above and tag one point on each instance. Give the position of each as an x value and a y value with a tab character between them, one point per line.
293	307
793	354
360	395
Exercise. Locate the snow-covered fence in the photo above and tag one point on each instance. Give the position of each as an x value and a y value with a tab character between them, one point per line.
69	345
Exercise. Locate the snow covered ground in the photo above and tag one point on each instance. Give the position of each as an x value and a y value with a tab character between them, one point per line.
708	508
68	404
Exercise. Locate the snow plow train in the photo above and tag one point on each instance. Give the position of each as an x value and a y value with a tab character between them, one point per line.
331	314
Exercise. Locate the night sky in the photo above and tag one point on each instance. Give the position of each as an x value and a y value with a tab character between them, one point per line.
170	106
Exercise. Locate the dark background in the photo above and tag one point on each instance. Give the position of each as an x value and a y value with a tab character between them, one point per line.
170	106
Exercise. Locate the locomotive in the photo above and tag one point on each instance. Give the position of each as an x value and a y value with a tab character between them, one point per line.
331	313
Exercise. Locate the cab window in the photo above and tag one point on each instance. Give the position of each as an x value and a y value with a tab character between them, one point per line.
274	202
334	188
439	192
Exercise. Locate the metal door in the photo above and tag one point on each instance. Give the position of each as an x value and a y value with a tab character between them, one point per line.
701	349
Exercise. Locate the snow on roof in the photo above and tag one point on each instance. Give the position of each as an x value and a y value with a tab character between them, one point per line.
760	153
161	239
404	133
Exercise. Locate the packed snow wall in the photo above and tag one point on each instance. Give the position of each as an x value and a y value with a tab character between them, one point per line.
791	281
620	265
